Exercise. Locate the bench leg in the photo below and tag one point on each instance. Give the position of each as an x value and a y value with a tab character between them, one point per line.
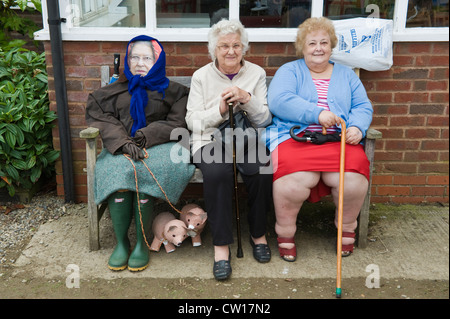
364	213
93	216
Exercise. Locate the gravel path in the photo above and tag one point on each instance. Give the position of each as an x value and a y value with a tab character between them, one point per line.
18	225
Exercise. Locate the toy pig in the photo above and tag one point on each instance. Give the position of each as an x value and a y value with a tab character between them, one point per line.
194	218
169	231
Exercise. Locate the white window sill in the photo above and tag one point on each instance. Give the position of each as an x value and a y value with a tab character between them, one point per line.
200	35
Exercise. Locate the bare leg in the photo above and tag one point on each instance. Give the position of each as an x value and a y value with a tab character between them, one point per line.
289	193
355	189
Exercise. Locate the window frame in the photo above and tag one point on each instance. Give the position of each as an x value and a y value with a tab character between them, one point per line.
69	33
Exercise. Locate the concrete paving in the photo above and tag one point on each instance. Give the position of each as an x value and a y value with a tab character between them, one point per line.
405	242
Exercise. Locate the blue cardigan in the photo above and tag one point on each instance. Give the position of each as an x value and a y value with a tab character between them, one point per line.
293	98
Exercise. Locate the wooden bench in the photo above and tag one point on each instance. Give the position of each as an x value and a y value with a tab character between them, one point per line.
95	212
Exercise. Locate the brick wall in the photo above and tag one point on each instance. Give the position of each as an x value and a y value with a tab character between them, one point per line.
410	101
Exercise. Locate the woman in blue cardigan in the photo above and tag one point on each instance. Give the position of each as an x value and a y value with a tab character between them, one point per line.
312	93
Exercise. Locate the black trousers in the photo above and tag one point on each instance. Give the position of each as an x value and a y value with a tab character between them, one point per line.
218	191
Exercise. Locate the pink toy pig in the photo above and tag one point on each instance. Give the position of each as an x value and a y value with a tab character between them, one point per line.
169	231
194	218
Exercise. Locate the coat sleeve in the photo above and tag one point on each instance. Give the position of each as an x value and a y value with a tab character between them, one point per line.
103	115
199	117
257	106
285	101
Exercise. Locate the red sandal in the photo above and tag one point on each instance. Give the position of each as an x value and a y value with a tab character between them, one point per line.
347	250
287	251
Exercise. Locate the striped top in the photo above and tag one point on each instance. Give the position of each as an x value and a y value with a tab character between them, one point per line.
322	92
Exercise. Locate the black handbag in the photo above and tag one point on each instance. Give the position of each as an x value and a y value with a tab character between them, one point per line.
246	140
244	131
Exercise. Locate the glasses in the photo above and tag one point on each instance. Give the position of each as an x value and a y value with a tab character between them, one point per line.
145	59
225	47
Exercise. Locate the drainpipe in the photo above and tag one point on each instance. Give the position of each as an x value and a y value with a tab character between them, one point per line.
54	23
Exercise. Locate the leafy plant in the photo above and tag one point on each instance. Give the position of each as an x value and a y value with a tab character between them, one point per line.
11	21
26	149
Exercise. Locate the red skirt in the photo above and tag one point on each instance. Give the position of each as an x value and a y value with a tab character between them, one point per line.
292	156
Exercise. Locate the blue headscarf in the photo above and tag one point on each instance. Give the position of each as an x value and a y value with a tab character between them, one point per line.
155	80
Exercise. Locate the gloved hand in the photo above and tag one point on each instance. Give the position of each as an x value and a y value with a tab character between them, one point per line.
139	139
133	150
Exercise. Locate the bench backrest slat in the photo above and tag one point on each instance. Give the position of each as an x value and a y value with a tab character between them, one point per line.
186	80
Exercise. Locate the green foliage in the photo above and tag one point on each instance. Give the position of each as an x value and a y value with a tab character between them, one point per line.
11	21
26	149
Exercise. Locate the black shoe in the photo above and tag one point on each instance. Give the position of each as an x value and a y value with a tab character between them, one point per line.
222	268
261	252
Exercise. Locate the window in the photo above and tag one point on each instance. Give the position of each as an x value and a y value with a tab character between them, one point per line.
107	13
190	13
423	13
274	13
265	20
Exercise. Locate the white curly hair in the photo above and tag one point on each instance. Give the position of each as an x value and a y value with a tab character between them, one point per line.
225	27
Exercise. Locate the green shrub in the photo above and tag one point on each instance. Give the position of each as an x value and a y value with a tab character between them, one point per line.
26	149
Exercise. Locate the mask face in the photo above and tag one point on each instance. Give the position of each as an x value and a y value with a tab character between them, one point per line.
141	59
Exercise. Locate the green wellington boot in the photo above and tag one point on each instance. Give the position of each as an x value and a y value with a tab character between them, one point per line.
139	257
121	210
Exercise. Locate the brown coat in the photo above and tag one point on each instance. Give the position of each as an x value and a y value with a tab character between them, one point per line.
108	109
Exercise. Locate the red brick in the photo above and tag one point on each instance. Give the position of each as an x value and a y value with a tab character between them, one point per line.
434	168
402	144
439	60
114	47
403	60
443	156
418	156
437	180
380	97
435	145
428	191
85	46
437	85
407	121
410	180
438	97
73	59
419	47
382	180
413	97
76	96
394	85
179	60
389	156
99	59
400	168
422	133
393	190
201	60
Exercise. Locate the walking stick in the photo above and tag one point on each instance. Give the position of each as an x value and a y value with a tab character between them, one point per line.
236	199
315	139
340	210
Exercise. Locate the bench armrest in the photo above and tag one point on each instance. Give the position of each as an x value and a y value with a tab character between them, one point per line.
373	134
90	132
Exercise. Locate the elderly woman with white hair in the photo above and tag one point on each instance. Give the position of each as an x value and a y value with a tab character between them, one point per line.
229	79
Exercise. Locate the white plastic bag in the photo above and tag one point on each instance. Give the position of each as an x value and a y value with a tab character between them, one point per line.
364	43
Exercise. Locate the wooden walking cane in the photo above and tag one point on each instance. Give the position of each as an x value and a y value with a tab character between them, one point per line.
340	210
340	207
236	199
